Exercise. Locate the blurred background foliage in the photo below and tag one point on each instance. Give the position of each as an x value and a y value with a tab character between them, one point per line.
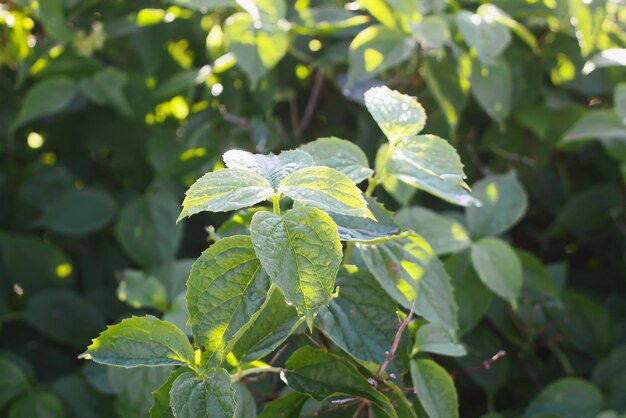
109	109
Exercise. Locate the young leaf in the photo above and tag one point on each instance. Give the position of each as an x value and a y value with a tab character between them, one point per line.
433	338
498	267
342	155
435	389
445	235
322	374
504	202
301	252
141	341
326	189
273	167
375	49
363	320
226	190
408	270
430	163
211	396
398	115
225	291
487	36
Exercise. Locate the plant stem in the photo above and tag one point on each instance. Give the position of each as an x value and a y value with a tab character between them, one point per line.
347	254
265	369
276	204
380	174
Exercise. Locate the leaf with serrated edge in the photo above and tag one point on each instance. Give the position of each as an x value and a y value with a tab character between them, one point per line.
408	270
211	396
322	374
301	252
141	341
430	163
354	229
226	289
326	189
398	115
341	155
225	190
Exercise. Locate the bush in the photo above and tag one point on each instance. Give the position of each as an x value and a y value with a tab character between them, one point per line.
500	300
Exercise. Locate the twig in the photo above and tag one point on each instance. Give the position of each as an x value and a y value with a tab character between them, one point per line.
310	105
238	121
293	116
362	405
485	366
265	369
318	345
396	342
323	339
271	363
512	156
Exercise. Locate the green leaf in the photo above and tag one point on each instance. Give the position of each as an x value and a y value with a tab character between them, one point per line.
37	404
610	376
288	406
257	47
538	285
619	98
46	98
140	290
612	57
133	388
326	189
146	229
362	321
485	35
376	49
602	124
273	167
141	341
342	155
432	32
586	19
447	86
434	338
494	13
246	406
212	396
435	389
381	11
498	267
80	399
106	87
492	86
276	322
78	212
470	294
322	374
301	252
365	230
408	270
226	190
161	396
398	115
64	317
264	11
504	202
13	381
430	163
569	397
445	235
225	291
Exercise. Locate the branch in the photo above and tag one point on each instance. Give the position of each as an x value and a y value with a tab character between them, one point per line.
271	363
238	121
265	369
310	106
396	342
485	366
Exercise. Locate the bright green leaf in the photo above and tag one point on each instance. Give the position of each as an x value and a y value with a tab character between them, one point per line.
212	396
435	389
225	291
498	267
494	13
273	167
326	189
398	115
342	155
226	190
141	341
301	252
445	235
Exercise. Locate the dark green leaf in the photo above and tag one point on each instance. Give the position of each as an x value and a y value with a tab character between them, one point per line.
13	381
435	389
161	396
434	338
288	406
365	230
610	376
140	290
37	404
569	397
492	86
208	397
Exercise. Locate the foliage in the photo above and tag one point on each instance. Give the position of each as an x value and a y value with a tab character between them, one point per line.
508	290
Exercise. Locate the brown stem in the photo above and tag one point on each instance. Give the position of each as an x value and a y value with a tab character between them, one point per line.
396	342
485	366
311	103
